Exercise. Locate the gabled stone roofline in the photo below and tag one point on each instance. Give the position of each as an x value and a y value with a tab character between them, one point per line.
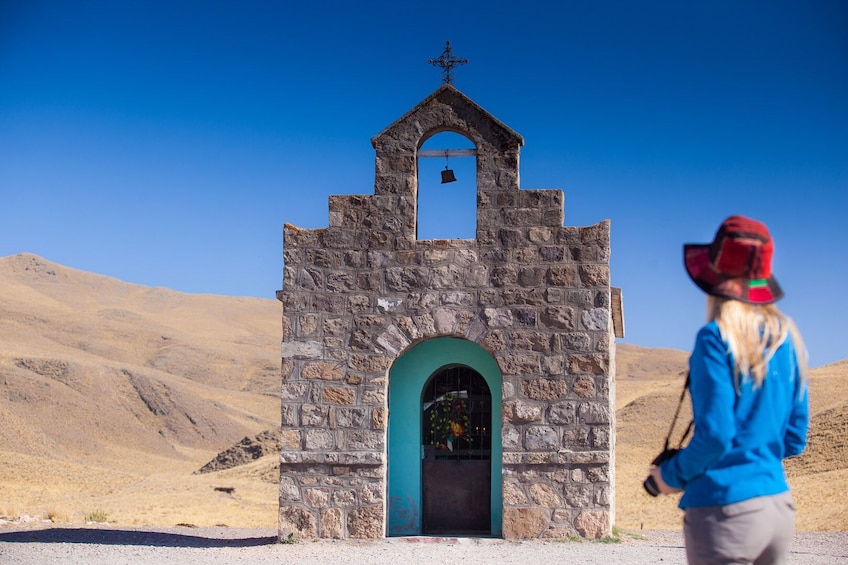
445	91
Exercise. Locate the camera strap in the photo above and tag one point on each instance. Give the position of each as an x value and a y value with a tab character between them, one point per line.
677	413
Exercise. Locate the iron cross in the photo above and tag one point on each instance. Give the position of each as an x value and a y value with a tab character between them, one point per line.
447	61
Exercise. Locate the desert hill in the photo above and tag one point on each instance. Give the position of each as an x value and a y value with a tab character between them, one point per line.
113	396
106	385
648	387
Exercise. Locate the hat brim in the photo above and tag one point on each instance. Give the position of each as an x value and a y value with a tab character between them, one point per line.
696	259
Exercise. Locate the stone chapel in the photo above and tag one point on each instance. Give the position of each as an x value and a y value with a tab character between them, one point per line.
448	387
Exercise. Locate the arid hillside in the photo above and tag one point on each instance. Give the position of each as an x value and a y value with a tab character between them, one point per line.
648	387
113	396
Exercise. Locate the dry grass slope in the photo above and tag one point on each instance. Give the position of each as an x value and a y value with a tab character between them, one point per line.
648	386
113	395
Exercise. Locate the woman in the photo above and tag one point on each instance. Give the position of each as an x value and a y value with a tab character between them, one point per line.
749	398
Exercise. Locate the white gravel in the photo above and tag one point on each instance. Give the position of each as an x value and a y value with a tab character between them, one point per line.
110	544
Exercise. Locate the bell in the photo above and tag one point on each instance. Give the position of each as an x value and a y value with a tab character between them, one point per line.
447	176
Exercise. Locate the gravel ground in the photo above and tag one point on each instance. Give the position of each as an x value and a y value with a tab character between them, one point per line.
109	544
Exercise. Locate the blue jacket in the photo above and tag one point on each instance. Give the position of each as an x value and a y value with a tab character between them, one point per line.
740	440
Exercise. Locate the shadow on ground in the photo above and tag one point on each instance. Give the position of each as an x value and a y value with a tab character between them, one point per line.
128	537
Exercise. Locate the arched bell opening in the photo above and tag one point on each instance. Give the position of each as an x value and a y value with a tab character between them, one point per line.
447	188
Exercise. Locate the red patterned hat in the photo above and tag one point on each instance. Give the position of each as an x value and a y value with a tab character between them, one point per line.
737	264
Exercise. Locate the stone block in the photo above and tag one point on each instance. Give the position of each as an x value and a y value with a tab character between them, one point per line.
559	532
328	303
301	349
584	387
518	296
519	412
297	522
575	341
559	317
341	396
369	363
378	418
552	253
341	282
353	417
544	389
503	275
526	255
290	439
358	303
594	413
541	438
289	491
598	233
519	364
576	438
366	522
602	495
363	440
494	341
319	439
600	437
540	234
353	379
595	319
324	371
316	497
513	495
313	415
561	275
294	390
308	324
544	495
593	524
288	415
448	276
577	495
531	276
594	275
497	317
598	473
331	524
371	493
564	413
510	437
553	365
445	320
344	498
597	364
525	340
286	368
524	317
524	523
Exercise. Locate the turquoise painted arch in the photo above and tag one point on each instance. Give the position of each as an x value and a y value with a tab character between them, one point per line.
407	378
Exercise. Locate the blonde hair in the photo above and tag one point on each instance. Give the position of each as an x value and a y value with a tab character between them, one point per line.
753	332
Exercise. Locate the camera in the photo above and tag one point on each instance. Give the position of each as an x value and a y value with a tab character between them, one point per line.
650	485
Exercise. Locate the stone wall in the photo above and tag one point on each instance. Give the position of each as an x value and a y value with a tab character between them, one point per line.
534	293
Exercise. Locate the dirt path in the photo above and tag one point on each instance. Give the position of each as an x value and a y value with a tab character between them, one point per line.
105	544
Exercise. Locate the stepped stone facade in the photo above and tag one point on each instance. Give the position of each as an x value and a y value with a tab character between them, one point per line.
532	292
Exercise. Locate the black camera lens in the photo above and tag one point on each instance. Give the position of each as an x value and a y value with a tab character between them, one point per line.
651	487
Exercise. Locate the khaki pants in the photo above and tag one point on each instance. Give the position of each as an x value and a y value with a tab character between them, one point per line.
758	530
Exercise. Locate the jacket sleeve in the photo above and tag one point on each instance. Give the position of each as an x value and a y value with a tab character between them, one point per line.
795	438
713	397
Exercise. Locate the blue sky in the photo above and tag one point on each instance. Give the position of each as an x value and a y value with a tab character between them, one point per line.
166	143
